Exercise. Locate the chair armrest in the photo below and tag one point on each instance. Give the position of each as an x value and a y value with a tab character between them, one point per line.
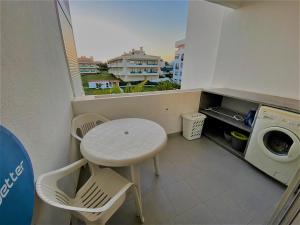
95	210
74	135
56	175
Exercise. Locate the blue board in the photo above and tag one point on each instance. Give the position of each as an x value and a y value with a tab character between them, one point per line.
16	181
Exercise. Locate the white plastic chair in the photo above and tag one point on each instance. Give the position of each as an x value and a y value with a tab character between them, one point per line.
96	201
83	123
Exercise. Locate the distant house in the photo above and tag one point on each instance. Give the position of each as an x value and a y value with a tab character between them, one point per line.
87	65
136	65
103	84
167	71
178	62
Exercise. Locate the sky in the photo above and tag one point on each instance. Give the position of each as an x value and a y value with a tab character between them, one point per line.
106	29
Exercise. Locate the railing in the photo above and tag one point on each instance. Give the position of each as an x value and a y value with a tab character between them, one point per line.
88	71
141	65
88	67
143	72
132	65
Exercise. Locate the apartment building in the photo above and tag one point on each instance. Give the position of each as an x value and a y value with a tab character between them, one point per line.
178	62
87	65
135	65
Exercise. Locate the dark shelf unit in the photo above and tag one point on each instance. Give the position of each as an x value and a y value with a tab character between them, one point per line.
220	140
216	123
226	119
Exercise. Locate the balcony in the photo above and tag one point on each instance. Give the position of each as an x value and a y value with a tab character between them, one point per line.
200	182
144	73
131	65
88	67
88	71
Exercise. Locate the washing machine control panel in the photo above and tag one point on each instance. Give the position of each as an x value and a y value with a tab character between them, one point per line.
280	117
268	116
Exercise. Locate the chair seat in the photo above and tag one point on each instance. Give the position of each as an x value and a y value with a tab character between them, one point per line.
98	190
96	201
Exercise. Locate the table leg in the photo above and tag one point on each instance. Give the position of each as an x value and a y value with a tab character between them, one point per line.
135	178
156	165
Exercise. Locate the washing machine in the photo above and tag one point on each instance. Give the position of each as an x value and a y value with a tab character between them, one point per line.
274	146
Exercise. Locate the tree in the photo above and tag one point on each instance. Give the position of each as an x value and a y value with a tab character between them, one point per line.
102	66
116	89
128	88
139	87
167	85
135	88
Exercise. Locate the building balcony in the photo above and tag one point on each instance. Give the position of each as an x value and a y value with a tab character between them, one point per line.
88	67
88	71
127	73
142	73
130	65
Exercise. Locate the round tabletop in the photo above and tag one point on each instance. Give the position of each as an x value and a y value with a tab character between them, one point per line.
123	142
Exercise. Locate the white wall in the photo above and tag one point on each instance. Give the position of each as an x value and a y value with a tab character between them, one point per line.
164	107
253	48
259	49
36	92
202	39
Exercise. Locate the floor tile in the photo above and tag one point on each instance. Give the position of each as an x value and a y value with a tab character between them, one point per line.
226	210
200	183
181	196
200	214
157	207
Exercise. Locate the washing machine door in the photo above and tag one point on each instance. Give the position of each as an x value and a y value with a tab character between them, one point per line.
279	144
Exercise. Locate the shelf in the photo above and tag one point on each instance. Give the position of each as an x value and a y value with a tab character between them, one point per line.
226	119
220	140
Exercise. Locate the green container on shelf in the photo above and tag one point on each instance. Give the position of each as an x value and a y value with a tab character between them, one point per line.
238	141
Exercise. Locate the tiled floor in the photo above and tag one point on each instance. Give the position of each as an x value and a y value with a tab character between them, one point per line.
201	183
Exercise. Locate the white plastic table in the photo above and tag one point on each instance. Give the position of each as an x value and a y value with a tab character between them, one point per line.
124	142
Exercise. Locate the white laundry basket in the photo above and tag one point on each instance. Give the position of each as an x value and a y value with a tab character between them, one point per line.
192	125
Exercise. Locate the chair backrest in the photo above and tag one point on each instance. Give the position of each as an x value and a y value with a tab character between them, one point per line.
16	181
83	123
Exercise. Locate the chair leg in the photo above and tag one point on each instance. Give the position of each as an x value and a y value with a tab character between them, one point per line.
156	165
139	204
